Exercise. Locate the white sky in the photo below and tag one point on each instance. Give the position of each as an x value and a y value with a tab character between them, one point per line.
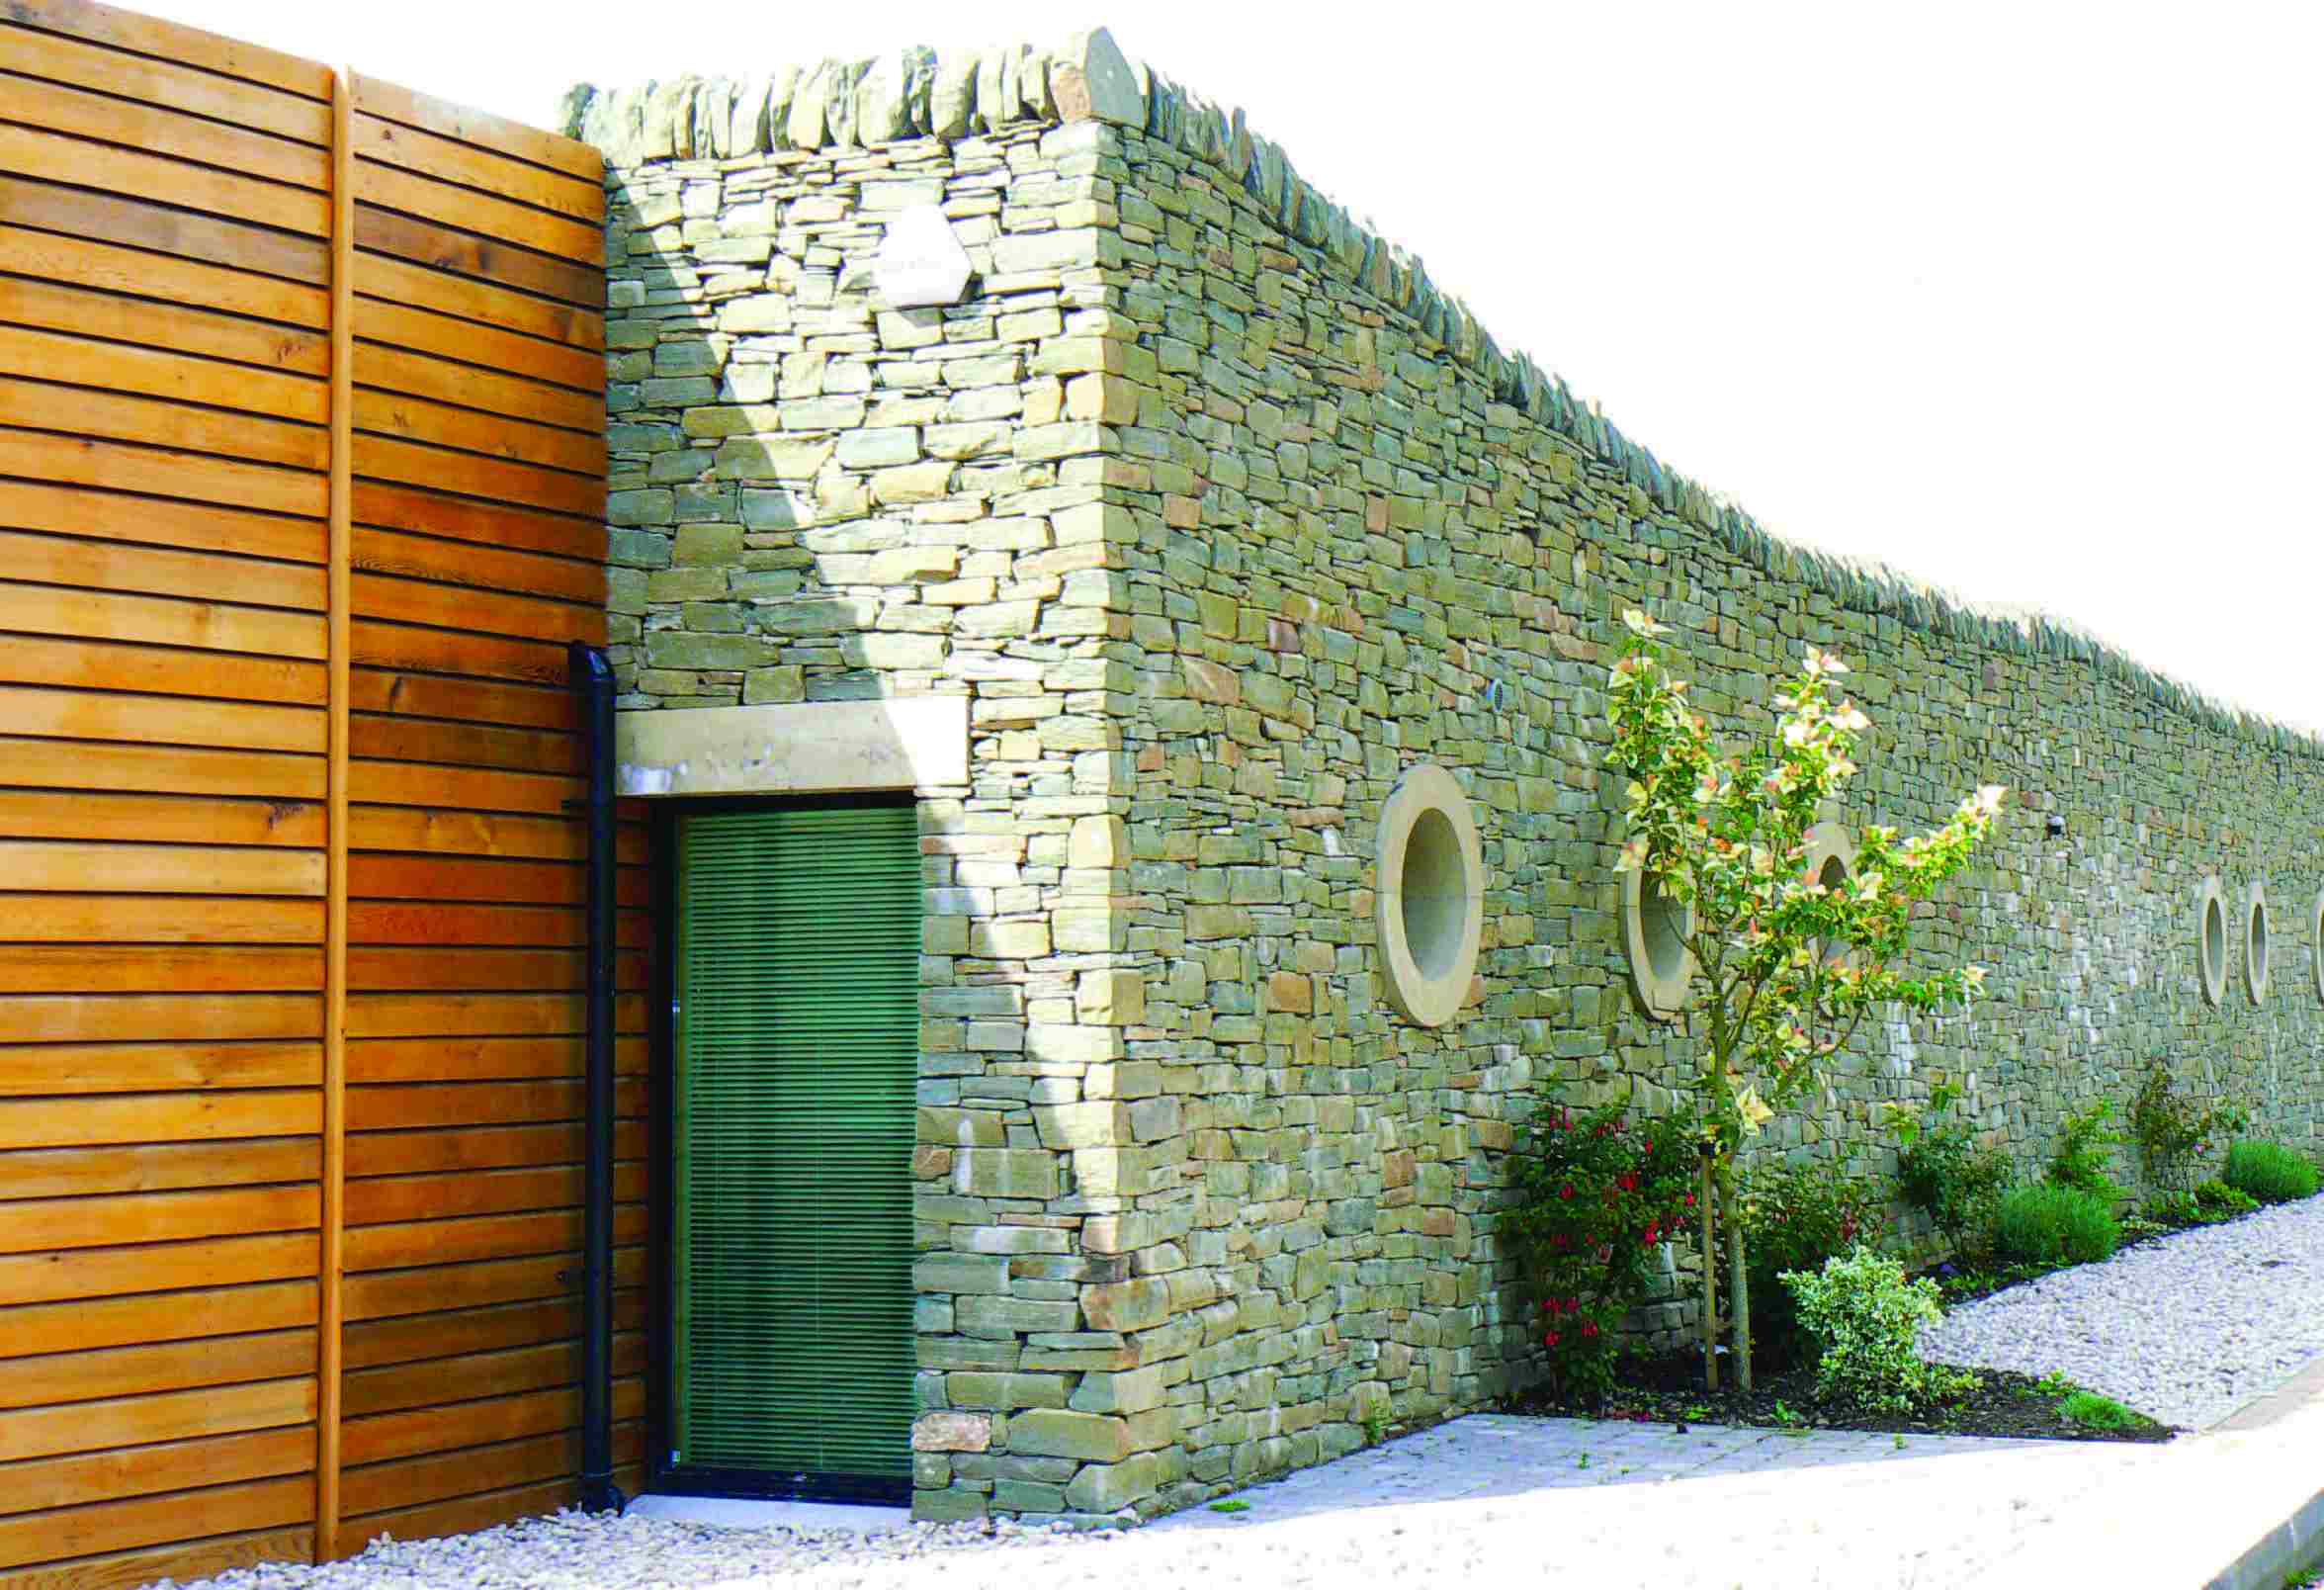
2025	298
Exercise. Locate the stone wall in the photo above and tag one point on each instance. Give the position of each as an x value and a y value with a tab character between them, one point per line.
1224	517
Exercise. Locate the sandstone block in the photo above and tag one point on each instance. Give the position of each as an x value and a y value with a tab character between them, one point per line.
951	1431
1127	1305
1063	1432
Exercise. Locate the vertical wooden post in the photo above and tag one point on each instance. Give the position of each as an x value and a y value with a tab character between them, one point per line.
1710	1284
332	1244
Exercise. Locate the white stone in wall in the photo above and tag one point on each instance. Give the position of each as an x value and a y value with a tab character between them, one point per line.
920	262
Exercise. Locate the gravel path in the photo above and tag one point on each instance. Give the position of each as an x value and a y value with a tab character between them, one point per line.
1488	1499
575	1551
2186	1329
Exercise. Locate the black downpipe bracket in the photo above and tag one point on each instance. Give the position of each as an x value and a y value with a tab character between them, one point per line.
592	685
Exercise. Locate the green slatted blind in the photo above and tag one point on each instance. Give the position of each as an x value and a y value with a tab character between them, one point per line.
797	960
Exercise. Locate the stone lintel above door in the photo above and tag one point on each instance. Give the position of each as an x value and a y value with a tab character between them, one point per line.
803	748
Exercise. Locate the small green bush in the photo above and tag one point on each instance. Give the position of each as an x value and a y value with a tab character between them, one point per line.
2172	1210
1866	1318
2269	1172
2094	1412
1794	1218
2083	1158
1943	1172
2220	1202
2054	1226
2175	1132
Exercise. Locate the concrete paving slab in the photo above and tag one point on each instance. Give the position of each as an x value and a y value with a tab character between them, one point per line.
1712	1506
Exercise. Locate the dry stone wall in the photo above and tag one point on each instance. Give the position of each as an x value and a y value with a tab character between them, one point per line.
1225	518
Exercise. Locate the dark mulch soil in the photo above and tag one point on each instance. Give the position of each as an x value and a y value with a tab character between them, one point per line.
1667	1389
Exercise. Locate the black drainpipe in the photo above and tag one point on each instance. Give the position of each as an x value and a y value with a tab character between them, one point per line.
592	685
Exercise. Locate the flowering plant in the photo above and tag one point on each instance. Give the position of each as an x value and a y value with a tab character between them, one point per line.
1597	1198
1789	965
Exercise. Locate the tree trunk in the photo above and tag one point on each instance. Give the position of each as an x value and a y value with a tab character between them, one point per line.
1738	1278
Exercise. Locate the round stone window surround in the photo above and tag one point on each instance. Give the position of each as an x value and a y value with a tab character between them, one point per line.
2316	942
1653	930
2210	939
2255	943
1429	902
1830	860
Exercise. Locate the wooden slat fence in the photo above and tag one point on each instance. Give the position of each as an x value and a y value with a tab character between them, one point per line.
283	733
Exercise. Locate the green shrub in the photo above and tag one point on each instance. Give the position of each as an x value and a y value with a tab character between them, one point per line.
2094	1412
2083	1158
1867	1319
2174	1132
2269	1172
2054	1226
2218	1201
1943	1172
2173	1209
1595	1201
1794	1218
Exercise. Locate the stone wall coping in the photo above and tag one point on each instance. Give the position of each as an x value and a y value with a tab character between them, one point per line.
916	92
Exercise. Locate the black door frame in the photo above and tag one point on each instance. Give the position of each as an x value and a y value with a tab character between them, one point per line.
661	1474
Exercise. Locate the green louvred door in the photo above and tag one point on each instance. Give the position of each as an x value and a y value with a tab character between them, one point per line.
797	939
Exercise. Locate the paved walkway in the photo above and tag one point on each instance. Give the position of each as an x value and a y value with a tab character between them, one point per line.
1616	1504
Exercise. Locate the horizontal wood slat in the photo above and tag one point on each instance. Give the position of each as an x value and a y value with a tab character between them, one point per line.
166	841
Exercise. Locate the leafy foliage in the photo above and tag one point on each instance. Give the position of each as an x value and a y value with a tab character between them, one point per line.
2055	1226
2095	1412
1593	1199
2269	1172
1867	1319
1943	1172
1796	1217
1727	836
1724	838
2084	1158
2172	1131
2209	1205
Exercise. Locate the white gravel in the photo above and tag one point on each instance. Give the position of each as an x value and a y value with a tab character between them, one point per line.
574	1551
2186	1329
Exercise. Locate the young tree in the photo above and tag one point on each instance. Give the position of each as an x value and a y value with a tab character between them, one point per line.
1787	966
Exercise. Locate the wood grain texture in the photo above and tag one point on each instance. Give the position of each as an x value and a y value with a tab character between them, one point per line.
300	500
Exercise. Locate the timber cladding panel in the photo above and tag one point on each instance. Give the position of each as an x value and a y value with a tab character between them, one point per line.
186	1136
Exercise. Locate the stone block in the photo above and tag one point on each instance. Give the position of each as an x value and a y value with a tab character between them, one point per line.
951	1431
1119	1391
1084	1125
961	1272
1109	1487
1011	1316
1005	1172
1007	1393
1127	1305
1111	998
1063	1432
1007	940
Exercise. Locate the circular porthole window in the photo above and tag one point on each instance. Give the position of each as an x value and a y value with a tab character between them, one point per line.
2255	944
1655	928
1431	900
1831	857
2316	942
2210	939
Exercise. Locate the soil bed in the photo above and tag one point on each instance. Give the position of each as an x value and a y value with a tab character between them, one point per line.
1667	1389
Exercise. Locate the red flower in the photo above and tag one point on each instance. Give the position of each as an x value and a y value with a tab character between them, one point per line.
1588	1328
1567	1191
1629	1183
1691	1200
1549	1339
